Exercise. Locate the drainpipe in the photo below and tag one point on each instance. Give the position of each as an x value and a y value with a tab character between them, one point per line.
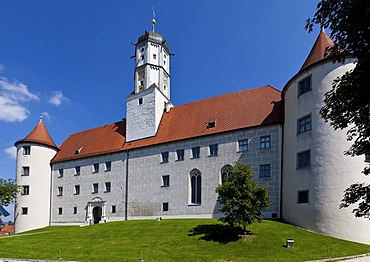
281	171
126	186
51	191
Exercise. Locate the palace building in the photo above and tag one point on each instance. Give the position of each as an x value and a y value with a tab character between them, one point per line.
166	161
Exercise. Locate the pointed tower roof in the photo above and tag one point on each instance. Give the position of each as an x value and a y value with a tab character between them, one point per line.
318	50
39	135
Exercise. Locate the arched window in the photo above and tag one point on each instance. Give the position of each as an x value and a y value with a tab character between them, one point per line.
225	171
196	187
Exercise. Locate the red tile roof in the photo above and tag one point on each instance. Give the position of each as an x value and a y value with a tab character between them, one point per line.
249	108
39	135
100	140
316	54
318	50
8	229
244	109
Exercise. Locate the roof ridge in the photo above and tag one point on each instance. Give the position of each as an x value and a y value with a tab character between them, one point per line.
227	94
97	127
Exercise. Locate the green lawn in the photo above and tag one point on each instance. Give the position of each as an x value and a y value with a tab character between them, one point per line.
175	240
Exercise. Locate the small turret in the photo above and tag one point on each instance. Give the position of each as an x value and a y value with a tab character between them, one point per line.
33	175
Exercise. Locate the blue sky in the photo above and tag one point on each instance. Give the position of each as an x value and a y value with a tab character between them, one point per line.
70	60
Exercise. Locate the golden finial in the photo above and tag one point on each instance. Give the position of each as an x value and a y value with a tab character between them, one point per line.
153	20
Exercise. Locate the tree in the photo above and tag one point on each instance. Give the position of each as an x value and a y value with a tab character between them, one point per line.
347	104
241	198
8	191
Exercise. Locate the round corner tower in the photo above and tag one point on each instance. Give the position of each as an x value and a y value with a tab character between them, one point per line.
315	170
33	176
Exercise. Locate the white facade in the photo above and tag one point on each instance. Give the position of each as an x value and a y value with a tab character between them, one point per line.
328	172
142	171
32	209
308	172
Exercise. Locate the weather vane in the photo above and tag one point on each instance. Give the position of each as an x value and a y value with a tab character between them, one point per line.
153	20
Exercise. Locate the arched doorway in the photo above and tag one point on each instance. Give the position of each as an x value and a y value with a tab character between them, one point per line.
97	212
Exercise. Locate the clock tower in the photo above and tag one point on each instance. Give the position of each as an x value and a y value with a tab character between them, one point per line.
151	96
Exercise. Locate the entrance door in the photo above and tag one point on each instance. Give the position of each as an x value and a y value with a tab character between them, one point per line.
97	214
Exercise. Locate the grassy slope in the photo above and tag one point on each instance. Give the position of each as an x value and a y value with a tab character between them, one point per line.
175	240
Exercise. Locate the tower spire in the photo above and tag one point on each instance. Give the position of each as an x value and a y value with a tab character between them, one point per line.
153	20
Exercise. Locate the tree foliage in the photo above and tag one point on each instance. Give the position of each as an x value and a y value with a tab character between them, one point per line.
347	104
8	191
242	199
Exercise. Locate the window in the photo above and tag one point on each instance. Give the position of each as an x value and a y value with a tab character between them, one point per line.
77	189
180	154
142	49
25	171
95	188
243	145
26	150
77	170
304	124
195	151
164	157
74	210
265	142
303	159
302	196
60	191
113	209
24	210
96	168
107	187
265	170
304	86
25	190
60	210
196	187
164	207
140	101
211	124
213	150
154	56
142	57
166	181
225	172
164	62
108	166
60	173
367	157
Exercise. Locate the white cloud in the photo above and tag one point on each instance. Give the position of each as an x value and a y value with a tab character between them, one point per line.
11	97
2	67
57	98
11	151
46	115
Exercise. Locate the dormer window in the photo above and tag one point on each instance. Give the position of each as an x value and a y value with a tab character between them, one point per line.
142	49
142	57
140	101
211	124
78	151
